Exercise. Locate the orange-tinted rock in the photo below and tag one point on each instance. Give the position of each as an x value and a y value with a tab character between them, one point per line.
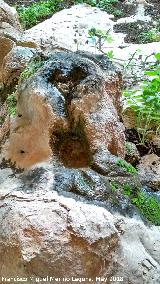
71	96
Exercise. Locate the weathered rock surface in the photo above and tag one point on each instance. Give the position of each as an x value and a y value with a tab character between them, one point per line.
10	30
131	153
72	33
70	105
45	244
9	15
4	123
14	63
51	35
45	233
149	168
62	219
79	19
6	45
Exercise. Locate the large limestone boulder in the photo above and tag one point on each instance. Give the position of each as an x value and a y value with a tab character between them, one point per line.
69	29
69	107
68	112
45	233
58	239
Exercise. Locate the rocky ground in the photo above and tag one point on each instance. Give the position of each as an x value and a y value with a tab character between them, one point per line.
70	205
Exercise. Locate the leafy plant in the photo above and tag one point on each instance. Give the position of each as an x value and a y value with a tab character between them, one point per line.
126	166
114	186
38	11
152	35
109	7
127	190
33	14
32	67
110	54
146	103
148	206
98	37
11	104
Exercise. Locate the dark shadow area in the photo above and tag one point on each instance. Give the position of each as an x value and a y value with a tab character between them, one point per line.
66	81
71	150
73	153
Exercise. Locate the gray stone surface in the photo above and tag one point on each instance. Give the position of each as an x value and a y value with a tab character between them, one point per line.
47	233
10	31
14	63
61	218
149	169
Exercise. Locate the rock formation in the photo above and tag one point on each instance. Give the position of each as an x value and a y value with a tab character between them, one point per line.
79	19
10	30
14	63
71	105
63	212
58	234
149	168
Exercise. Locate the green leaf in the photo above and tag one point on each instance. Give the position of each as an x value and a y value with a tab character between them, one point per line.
110	54
109	39
157	56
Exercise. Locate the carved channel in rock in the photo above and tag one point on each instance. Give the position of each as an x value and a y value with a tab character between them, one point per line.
66	80
71	147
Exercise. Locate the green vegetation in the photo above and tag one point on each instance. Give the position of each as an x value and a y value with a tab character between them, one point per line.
146	103
109	7
38	11
114	186
139	32
110	54
105	35
11	104
148	206
99	37
152	35
106	5
32	67
127	190
126	166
